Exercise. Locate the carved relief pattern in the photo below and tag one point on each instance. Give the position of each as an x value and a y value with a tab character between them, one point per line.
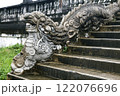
46	36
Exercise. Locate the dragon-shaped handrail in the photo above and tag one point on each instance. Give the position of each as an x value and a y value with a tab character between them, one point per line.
47	36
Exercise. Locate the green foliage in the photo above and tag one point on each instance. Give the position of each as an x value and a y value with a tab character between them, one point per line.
6	56
65	49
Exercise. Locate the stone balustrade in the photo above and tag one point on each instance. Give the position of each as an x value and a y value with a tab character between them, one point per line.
51	8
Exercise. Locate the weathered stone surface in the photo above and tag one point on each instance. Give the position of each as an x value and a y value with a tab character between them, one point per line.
46	36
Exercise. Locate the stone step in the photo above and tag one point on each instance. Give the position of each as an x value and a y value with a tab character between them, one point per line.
92	62
94	51
117	14
117	17
69	72
117	22
11	76
106	34
110	28
101	42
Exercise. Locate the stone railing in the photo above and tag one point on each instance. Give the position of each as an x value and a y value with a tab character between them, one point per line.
52	8
104	2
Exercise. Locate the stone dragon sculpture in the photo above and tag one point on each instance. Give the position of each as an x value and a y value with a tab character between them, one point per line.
46	36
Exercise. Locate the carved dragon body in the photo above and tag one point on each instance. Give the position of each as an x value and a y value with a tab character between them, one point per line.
46	36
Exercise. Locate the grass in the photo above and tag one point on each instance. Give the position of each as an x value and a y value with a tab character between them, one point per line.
6	56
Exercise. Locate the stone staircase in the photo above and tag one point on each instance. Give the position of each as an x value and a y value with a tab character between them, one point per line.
93	58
